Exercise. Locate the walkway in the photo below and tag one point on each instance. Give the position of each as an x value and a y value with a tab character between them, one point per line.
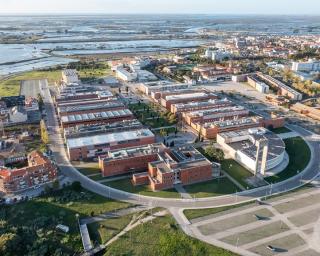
182	191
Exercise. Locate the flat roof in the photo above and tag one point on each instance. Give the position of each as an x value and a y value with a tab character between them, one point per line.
231	123
108	138
187	96
276	145
95	116
211	102
92	106
210	111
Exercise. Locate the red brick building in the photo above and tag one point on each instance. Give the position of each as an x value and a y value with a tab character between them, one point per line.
195	106
214	114
39	171
92	146
163	166
210	130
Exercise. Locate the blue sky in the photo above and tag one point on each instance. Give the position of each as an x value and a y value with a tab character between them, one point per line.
163	6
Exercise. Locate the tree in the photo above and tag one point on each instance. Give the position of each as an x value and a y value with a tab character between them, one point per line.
40	102
163	132
76	186
215	154
44	132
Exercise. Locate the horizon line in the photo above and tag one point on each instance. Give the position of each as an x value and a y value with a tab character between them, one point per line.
160	13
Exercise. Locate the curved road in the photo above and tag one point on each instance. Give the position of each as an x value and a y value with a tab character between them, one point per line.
59	152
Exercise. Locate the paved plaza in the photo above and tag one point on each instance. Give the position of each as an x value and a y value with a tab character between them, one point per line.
289	223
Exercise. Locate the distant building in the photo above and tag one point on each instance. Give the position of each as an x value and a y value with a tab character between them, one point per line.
39	171
70	76
185	97
283	89
217	55
18	115
159	86
309	66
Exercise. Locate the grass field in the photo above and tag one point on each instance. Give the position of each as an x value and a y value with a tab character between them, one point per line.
34	221
193	214
126	185
87	168
299	157
11	86
216	187
93	74
162	237
236	171
102	231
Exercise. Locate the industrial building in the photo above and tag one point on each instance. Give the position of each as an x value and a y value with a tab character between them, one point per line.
160	86
194	106
259	85
93	107
210	130
96	118
39	171
186	97
92	146
257	149
90	95
95	129
214	114
283	89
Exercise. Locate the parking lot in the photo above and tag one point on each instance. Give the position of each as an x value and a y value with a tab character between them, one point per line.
285	225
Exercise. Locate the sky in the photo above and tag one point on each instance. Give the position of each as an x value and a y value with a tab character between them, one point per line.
310	7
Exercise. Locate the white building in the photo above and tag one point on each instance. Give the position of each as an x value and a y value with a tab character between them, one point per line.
257	149
217	55
309	66
70	76
134	73
18	115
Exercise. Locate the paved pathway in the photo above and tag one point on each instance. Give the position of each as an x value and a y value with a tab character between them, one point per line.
182	191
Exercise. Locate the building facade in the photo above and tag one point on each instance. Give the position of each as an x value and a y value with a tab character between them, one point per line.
39	171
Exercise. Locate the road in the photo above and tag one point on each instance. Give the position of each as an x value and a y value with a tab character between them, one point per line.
68	170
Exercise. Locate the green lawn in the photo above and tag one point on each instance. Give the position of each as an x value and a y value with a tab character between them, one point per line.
126	185
102	231
162	237
216	187
299	157
11	86
94	73
236	171
281	130
29	227
87	168
198	213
